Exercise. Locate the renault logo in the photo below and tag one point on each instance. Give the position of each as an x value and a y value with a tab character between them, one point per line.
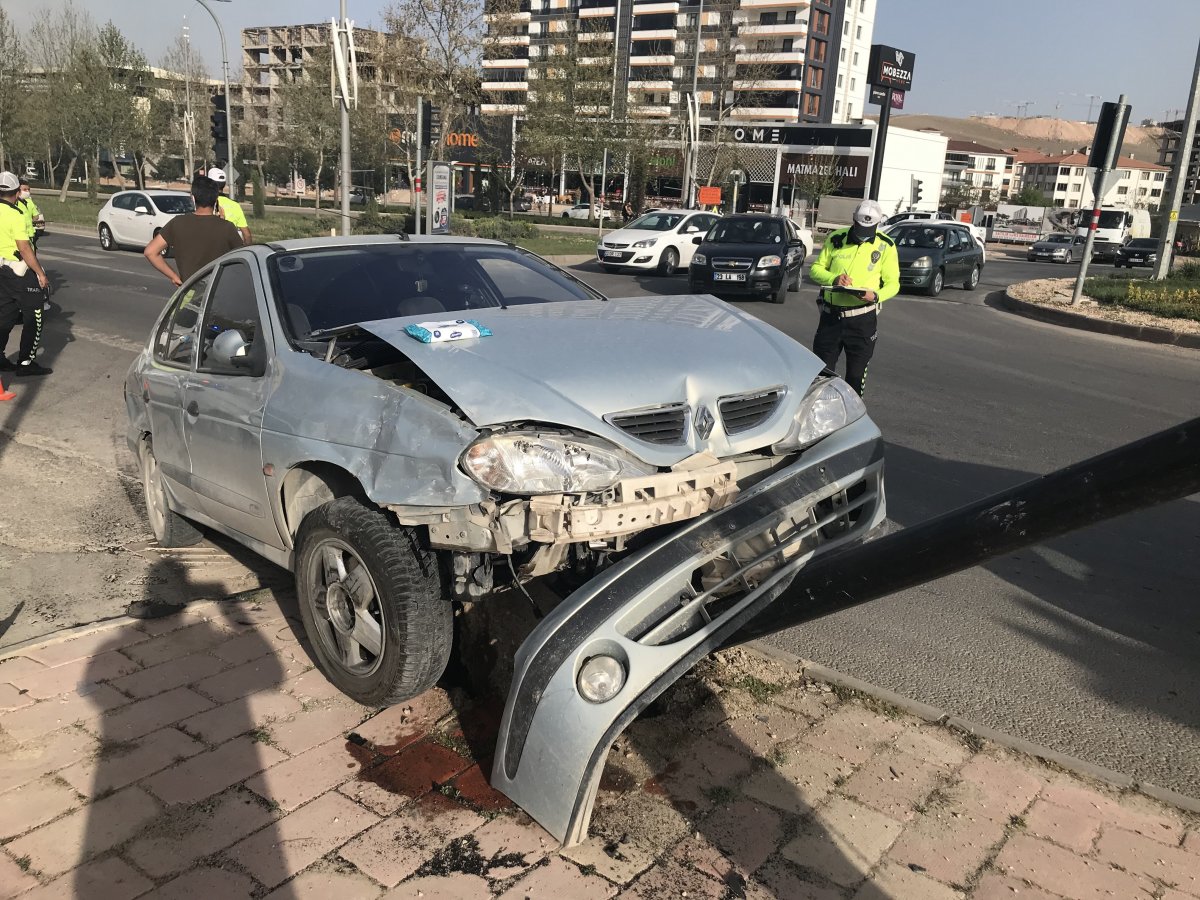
704	422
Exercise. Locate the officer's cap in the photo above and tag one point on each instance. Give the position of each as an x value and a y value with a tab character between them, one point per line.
868	214
9	182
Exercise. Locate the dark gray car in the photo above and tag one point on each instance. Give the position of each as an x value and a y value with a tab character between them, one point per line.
934	254
338	406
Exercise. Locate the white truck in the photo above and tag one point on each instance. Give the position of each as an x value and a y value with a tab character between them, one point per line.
1115	228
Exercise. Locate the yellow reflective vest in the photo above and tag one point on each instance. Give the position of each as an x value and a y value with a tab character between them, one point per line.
873	265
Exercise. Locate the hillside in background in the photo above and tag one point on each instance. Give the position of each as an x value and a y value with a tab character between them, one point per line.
1035	132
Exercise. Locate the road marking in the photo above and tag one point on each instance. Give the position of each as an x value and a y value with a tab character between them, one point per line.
154	276
89	254
109	340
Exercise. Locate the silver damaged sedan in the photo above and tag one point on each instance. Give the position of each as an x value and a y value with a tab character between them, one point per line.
283	401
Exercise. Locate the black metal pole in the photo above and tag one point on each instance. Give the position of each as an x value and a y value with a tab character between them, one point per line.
1154	470
885	116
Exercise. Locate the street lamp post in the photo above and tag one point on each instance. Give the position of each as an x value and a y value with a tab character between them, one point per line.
225	73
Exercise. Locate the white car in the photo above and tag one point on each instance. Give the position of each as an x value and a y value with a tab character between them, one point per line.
134	218
580	211
662	240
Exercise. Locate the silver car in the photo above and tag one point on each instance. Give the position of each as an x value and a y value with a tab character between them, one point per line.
1060	248
339	406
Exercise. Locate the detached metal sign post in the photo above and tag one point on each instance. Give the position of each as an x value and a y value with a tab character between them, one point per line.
889	71
1106	148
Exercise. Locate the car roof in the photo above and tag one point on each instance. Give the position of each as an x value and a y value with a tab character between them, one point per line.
153	191
754	217
367	240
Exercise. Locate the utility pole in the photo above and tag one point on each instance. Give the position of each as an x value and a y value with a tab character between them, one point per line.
343	38
1092	98
189	121
414	188
1179	176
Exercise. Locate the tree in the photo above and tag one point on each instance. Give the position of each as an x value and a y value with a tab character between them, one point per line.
312	120
959	195
1029	196
181	102
13	89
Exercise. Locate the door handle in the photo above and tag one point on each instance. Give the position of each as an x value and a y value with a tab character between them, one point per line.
193	408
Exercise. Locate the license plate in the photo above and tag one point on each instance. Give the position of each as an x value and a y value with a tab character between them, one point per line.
729	276
611	253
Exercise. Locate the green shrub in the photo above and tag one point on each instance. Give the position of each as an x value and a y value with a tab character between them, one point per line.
501	229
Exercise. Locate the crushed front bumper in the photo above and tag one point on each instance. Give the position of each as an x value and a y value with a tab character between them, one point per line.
662	610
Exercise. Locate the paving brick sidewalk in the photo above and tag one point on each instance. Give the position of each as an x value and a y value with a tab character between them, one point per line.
201	756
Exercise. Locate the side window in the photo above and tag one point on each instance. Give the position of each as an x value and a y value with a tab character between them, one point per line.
140	201
233	304
175	343
123	201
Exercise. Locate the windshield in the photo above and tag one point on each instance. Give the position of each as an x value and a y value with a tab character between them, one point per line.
919	236
173	204
334	286
1143	243
746	231
1109	218
1059	238
656	221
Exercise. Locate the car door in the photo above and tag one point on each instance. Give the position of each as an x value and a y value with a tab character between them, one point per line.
163	383
224	405
120	218
141	223
690	227
955	259
796	249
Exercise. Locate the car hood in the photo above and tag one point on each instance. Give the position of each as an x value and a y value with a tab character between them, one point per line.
725	249
629	235
1051	245
908	254
574	363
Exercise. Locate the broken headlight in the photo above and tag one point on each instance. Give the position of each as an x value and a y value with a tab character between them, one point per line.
532	463
830	404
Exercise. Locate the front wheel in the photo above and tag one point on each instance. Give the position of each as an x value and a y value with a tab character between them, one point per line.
935	286
668	263
1069	259
794	284
566	216
972	281
372	603
170	529
106	238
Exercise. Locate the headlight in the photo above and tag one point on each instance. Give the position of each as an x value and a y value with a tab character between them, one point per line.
700	259
531	463
1060	252
768	262
830	404
648	242
600	679
925	262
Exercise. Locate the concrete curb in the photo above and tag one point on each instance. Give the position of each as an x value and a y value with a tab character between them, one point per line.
935	716
1147	333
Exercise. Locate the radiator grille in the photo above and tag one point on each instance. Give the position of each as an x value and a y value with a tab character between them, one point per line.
655	425
745	411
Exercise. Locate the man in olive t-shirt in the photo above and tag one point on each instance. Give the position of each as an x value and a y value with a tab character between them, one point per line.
196	239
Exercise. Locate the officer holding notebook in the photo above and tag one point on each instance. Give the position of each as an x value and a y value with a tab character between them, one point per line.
22	283
859	269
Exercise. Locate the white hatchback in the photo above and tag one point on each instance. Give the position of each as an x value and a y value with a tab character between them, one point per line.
662	240
133	218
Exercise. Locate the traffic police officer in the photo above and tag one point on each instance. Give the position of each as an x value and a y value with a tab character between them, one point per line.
22	282
34	219
860	269
228	208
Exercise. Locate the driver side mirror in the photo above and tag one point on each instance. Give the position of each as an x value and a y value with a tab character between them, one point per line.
698	240
142	210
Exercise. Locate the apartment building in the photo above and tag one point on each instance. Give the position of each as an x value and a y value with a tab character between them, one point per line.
792	60
278	55
1067	181
985	170
1168	153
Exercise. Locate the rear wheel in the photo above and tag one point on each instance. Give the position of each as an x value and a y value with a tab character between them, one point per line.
972	281
170	529
106	238
668	263
372	603
935	286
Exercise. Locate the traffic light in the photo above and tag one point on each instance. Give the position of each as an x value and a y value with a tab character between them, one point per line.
916	190
220	129
431	124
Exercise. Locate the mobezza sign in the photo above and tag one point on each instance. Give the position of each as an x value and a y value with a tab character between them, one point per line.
890	68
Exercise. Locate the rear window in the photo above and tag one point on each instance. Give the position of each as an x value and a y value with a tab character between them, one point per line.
334	286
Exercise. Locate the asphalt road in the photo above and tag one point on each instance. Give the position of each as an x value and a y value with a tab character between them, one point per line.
1089	644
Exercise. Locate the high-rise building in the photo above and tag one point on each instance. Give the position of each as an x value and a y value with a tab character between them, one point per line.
760	60
1168	155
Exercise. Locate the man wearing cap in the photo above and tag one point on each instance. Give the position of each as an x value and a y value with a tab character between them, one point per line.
860	269
22	283
34	219
228	209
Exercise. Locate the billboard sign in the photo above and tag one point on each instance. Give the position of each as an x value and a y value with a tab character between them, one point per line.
890	67
850	172
439	197
879	97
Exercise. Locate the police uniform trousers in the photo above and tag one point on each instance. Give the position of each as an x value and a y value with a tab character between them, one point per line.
21	300
854	334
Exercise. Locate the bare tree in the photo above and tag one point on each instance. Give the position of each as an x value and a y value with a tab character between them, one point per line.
13	89
313	121
186	94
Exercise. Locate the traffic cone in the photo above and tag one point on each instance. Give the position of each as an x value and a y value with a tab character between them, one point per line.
6	394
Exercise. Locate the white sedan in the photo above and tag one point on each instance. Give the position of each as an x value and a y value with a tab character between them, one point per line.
134	218
580	211
662	240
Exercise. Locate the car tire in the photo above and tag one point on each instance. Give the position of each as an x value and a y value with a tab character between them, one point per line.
169	528
780	295
566	216
972	281
794	284
1069	258
668	263
935	286
388	638
106	238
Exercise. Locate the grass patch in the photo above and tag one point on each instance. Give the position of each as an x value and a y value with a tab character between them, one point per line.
24	863
550	244
760	690
1175	297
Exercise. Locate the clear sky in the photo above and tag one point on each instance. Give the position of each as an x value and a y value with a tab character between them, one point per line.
973	56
